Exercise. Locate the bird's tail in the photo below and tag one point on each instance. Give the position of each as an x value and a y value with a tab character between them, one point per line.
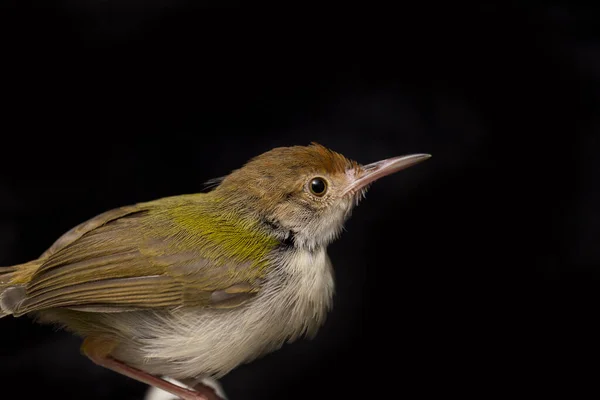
12	285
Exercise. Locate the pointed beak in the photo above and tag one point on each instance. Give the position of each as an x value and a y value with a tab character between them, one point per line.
379	169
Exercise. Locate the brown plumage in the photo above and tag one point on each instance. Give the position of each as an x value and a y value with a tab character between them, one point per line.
281	172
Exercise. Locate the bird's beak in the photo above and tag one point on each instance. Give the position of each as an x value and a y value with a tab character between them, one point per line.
379	169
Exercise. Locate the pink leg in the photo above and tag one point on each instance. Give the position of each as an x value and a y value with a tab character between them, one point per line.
206	391
98	350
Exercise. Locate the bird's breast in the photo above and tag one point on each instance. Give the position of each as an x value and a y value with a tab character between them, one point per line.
307	289
294	301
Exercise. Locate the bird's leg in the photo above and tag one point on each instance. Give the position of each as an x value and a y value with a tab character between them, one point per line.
202	388
206	391
98	350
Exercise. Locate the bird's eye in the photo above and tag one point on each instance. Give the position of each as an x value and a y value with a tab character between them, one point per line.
318	186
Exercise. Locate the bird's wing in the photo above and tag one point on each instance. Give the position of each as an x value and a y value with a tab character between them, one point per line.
139	257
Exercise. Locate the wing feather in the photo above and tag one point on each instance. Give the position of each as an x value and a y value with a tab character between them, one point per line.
120	262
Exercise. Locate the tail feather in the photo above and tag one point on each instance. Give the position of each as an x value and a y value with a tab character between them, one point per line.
7	272
12	285
6	276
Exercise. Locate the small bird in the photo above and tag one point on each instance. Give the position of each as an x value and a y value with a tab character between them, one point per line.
191	286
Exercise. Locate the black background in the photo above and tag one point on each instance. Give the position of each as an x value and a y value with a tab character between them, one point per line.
474	273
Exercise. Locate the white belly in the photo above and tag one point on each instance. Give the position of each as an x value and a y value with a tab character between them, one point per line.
195	343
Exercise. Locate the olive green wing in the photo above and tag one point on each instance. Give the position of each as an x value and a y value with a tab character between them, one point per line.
137	258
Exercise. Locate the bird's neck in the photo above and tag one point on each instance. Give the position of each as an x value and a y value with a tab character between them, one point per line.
255	215
244	226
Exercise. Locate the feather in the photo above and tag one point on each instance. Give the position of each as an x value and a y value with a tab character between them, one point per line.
146	256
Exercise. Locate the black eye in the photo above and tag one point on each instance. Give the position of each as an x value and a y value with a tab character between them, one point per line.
318	186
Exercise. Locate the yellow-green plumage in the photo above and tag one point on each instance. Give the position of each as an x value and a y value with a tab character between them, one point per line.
223	235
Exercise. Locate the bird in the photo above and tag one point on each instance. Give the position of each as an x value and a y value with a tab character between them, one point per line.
193	285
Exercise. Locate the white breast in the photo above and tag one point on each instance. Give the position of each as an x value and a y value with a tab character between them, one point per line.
192	343
306	295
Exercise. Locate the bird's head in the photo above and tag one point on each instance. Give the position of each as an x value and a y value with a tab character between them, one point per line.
304	193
